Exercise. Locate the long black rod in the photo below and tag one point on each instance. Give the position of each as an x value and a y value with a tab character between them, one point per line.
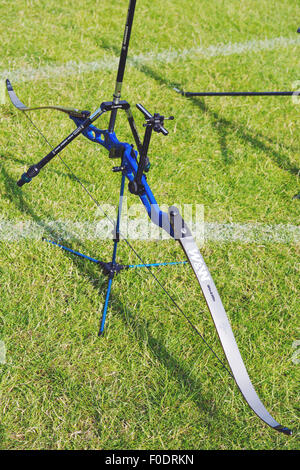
122	63
35	169
240	93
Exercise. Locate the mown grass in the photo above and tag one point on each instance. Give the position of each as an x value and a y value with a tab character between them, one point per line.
149	383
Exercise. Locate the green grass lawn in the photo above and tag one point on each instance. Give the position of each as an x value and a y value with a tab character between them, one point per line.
150	382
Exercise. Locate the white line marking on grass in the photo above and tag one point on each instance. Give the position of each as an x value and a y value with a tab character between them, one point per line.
252	233
2	92
166	56
256	233
2	353
221	49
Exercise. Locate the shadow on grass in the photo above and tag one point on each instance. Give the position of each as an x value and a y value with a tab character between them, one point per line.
141	333
223	126
16	196
191	384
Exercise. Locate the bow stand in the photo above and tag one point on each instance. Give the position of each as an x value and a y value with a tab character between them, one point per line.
133	166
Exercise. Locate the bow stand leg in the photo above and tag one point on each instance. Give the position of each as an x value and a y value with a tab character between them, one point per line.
113	266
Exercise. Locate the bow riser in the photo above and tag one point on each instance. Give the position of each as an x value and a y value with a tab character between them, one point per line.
129	166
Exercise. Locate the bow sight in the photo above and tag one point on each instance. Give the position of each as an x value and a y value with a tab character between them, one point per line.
153	123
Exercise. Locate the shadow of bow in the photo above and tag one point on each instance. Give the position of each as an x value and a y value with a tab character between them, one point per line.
140	331
223	126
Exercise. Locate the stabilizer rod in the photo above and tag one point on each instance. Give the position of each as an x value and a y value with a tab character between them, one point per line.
238	93
122	63
35	169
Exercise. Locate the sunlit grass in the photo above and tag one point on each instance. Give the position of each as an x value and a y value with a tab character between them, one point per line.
149	383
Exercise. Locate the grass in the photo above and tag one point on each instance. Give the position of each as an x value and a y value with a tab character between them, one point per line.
149	383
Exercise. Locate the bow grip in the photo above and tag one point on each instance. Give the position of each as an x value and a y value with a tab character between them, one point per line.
27	176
